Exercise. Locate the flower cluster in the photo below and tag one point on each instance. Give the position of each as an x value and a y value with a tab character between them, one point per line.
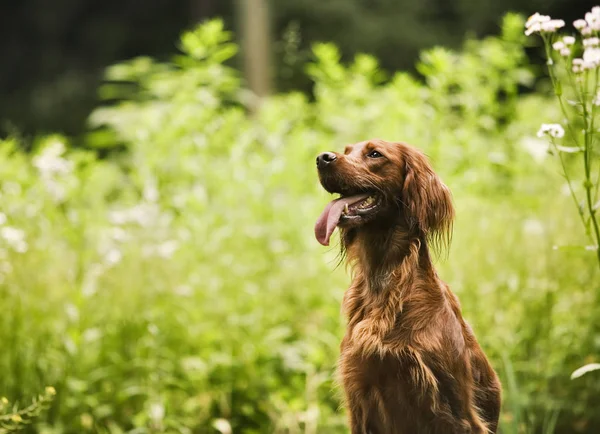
589	29
590	24
53	167
542	24
591	57
564	46
50	161
12	237
589	60
552	130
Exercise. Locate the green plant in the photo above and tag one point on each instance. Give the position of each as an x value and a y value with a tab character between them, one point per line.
576	86
13	419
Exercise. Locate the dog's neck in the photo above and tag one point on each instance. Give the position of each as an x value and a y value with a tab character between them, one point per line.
383	256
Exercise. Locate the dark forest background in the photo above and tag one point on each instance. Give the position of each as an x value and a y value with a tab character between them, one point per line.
54	52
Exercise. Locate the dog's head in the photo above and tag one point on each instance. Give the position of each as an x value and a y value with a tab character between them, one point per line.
383	183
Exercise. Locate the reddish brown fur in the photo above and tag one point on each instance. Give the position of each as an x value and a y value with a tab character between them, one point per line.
409	363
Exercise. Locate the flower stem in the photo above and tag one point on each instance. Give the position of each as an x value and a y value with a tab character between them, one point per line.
554	80
588	120
587	161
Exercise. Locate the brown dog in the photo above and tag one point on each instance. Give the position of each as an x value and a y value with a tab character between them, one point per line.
409	363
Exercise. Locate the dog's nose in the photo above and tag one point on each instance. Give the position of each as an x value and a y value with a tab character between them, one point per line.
325	158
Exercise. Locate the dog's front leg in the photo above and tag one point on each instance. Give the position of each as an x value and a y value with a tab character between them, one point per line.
355	420
360	423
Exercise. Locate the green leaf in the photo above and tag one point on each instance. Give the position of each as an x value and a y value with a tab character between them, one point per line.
225	52
568	149
558	88
584	370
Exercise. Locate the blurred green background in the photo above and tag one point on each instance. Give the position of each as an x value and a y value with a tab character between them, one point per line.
158	196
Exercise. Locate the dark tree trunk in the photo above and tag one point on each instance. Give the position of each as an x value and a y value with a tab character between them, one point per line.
256	45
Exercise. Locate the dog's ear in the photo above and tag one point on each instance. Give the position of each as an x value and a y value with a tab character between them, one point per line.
426	200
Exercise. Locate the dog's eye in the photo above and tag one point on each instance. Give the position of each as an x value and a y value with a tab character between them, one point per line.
374	154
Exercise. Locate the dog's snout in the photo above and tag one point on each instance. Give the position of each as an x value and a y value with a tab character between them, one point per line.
325	159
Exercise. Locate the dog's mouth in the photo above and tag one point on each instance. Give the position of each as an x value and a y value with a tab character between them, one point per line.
350	209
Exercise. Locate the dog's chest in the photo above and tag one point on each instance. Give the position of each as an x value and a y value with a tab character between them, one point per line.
391	390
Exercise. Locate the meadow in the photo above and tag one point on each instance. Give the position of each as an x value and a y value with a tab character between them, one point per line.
165	277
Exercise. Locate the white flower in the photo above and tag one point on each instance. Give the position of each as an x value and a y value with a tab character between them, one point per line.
163	250
591	42
223	426
535	28
593	20
579	24
72	312
533	227
91	335
167	249
569	40
51	165
552	25
542	23
552	130
50	162
56	189
143	214
534	23
184	290
151	193
113	256
591	57
586	31
119	234
157	412
590	60
90	279
15	238
536	18
562	47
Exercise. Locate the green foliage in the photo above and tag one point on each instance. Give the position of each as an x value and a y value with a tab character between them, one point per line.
53	87
577	87
177	287
14	420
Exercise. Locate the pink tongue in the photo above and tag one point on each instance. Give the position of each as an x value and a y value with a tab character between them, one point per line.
330	217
